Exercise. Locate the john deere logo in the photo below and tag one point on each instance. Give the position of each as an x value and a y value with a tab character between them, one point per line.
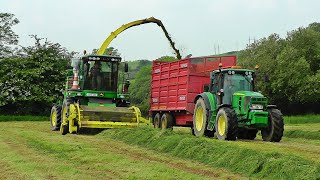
101	94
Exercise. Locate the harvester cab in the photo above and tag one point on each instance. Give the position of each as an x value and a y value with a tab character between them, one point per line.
237	111
93	98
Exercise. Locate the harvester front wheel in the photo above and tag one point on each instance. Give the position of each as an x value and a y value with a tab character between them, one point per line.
55	117
226	124
166	121
274	132
64	128
156	120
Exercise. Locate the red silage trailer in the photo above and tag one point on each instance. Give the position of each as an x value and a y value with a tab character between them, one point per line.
175	85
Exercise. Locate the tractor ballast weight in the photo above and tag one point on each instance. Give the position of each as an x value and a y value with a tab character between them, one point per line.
93	98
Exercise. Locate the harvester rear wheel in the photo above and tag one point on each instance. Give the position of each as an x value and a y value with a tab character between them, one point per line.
166	121
156	121
200	116
226	124
55	117
247	133
274	132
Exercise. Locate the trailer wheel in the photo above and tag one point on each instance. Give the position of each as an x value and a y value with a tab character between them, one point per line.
156	121
166	121
247	133
226	124
199	118
274	132
55	117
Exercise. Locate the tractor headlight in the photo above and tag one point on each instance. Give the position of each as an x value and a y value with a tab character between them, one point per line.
257	106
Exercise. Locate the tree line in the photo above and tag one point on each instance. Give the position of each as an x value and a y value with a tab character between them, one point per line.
289	73
32	78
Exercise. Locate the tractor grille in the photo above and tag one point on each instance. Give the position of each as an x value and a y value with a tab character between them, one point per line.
249	99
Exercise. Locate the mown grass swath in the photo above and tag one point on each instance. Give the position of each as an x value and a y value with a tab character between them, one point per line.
4	118
302	119
302	134
222	154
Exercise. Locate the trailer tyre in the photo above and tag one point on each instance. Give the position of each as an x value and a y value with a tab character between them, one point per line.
55	117
226	124
274	132
156	121
166	121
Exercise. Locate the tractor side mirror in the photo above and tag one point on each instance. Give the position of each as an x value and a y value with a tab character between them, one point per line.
126	67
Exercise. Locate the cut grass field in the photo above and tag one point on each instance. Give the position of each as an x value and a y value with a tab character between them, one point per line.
29	150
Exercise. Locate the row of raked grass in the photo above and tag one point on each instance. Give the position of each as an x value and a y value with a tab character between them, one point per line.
221	154
302	119
299	119
5	118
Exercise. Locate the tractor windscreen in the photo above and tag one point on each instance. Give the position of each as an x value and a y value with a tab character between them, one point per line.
101	75
234	82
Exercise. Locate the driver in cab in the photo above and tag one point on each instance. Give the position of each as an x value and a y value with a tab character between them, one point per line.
95	75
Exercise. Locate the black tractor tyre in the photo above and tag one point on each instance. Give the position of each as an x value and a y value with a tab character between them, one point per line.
200	120
64	129
166	121
156	120
250	134
275	129
230	129
57	110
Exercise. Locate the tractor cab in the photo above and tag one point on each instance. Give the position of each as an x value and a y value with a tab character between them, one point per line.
226	82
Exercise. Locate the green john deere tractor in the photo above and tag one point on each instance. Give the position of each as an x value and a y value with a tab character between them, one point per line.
232	109
93	98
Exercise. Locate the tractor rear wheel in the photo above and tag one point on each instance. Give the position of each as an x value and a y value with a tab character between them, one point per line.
55	117
274	131
156	121
166	121
200	116
247	133
226	124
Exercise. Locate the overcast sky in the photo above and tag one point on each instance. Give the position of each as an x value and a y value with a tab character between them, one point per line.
197	26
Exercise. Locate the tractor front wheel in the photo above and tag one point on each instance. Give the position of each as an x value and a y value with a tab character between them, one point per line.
226	124
55	117
274	131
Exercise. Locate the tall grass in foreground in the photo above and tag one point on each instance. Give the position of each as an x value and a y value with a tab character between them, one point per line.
221	154
4	118
302	119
